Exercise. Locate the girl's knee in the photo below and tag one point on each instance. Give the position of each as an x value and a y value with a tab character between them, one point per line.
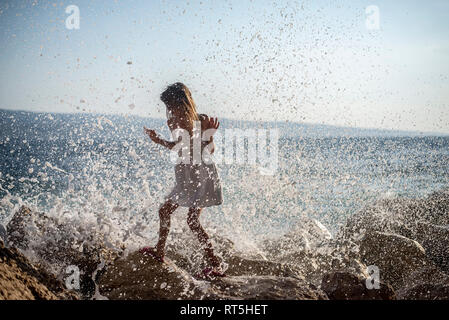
193	221
166	209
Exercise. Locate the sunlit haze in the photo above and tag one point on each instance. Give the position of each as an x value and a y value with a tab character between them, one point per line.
301	61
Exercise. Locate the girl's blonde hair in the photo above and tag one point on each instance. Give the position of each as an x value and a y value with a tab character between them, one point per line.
178	96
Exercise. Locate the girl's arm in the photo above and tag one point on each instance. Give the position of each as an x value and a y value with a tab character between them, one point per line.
210	144
207	124
156	139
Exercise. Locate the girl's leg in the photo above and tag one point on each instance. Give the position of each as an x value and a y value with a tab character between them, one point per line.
165	212
194	224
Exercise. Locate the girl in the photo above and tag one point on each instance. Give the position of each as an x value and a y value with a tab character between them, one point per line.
197	184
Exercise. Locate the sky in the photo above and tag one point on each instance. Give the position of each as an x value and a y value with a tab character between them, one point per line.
312	61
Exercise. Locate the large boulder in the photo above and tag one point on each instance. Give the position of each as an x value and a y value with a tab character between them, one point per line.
435	240
240	266
58	245
426	291
141	277
427	283
408	239
349	286
395	256
21	280
391	216
265	288
327	256
398	216
310	248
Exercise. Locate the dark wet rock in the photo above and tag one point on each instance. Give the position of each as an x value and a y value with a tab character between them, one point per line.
403	237
390	216
239	266
2	233
426	291
265	288
435	240
398	216
329	256
58	245
21	280
141	277
395	256
311	249
427	274
425	283
349	286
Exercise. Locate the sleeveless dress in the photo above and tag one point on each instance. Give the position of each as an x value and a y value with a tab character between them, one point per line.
197	185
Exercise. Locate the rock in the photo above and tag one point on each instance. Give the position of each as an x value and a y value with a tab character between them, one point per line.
239	266
395	256
426	291
436	208
310	248
57	245
428	274
20	280
388	216
435	240
326	256
425	283
265	288
398	216
2	233
423	221
349	286
141	277
190	257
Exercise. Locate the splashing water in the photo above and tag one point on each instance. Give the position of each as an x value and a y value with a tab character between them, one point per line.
101	172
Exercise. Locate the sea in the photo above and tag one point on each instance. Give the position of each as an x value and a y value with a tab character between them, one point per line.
101	170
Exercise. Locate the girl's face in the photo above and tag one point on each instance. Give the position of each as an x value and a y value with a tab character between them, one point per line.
174	112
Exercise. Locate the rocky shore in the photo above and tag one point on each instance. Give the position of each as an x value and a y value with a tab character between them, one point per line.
406	241
21	280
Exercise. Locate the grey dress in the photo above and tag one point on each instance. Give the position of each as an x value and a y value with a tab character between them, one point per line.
197	185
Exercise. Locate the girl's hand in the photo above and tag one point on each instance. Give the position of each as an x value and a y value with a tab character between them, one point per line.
210	123
214	123
152	134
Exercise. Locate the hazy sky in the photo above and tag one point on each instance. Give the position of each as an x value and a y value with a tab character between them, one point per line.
308	61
